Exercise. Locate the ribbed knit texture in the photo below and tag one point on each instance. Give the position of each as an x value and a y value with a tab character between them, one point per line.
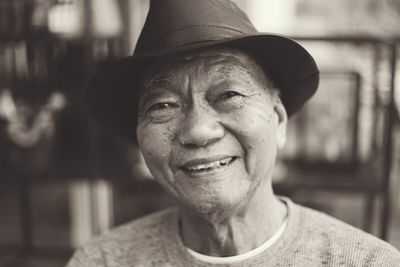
311	238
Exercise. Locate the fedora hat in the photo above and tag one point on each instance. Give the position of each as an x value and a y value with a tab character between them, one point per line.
176	26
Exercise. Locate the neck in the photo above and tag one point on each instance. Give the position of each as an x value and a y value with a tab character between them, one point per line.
220	234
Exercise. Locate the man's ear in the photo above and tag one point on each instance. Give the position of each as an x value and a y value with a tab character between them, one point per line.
281	119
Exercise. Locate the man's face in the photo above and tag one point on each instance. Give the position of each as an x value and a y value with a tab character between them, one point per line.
209	128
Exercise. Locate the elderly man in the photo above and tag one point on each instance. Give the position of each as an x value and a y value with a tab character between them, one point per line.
207	100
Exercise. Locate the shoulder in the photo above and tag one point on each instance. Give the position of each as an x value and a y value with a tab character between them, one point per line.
135	241
340	242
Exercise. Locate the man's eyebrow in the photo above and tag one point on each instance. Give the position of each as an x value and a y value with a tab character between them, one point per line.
222	71
155	89
156	82
251	69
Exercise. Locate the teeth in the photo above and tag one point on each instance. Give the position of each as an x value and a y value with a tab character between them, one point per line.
219	163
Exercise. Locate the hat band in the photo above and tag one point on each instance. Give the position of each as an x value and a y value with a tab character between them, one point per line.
191	35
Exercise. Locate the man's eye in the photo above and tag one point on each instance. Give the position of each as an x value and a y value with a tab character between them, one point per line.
229	94
161	106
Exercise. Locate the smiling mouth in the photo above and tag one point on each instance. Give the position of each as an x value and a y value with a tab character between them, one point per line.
210	166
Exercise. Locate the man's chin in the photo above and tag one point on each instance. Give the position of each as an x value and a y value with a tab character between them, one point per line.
214	206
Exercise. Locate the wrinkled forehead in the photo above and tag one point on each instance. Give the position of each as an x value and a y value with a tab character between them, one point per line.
211	61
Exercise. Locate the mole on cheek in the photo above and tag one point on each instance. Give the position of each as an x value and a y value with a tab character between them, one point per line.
167	136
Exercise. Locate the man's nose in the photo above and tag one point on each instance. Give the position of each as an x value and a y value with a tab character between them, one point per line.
200	127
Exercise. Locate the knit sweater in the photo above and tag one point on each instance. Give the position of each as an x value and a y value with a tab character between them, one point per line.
311	238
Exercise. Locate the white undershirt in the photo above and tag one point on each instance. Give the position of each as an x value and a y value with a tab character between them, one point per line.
234	259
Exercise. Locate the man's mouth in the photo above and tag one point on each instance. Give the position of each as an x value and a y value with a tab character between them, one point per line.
209	166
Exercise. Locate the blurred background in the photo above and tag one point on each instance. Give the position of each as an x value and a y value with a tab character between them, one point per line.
62	179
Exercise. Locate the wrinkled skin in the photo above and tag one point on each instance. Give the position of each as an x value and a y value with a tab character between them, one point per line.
200	108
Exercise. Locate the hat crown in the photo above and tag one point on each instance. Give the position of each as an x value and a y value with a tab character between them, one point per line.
174	23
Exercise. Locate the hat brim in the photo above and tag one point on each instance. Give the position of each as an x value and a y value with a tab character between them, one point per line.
112	95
